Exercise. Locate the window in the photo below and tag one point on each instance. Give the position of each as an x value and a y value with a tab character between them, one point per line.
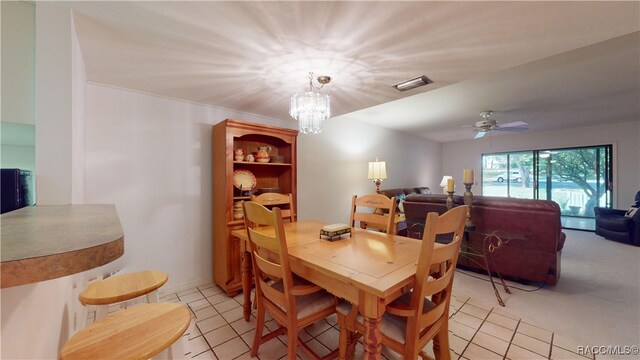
508	174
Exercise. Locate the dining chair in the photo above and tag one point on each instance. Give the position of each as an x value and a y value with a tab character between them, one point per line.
292	301
374	216
273	199
422	314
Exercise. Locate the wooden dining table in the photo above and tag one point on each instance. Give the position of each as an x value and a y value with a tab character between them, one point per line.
369	269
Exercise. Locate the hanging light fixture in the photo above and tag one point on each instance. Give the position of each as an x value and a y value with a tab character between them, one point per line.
311	108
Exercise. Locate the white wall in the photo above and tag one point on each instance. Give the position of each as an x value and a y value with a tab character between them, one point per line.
78	83
18	62
53	103
151	157
624	137
333	166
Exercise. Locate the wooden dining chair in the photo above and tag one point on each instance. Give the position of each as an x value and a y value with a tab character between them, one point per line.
270	200
421	315
292	301
373	216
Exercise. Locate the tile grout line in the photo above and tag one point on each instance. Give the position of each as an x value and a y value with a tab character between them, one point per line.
476	331
515	331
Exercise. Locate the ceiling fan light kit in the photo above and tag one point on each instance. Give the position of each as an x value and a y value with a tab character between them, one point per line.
421	80
486	125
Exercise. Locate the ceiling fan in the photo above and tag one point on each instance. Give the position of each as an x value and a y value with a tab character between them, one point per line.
486	125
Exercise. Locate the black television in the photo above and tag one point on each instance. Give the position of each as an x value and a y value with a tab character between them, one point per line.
16	189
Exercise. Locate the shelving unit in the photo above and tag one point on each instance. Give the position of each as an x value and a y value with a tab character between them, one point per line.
228	136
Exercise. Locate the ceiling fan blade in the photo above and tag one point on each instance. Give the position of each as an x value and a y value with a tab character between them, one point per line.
513	124
479	134
512	129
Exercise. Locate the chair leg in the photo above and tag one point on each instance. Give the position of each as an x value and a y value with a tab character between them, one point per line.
292	337
257	339
441	343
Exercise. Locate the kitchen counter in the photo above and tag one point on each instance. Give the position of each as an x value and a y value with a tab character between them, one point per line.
46	242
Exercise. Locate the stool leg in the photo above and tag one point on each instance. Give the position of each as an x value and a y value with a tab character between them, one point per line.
153	297
175	351
101	311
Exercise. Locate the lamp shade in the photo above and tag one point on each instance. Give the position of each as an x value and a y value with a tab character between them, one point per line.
443	183
377	170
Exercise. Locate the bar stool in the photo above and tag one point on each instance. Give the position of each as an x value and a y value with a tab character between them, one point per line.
139	332
121	288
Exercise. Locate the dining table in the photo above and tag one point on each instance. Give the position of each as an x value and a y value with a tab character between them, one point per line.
367	268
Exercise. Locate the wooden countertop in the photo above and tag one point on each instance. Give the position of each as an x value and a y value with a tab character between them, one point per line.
46	242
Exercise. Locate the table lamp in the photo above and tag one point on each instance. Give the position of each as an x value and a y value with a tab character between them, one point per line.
377	172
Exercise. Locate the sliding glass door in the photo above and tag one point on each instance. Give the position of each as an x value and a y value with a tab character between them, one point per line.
578	179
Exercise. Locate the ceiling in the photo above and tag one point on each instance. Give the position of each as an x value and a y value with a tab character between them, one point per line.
551	64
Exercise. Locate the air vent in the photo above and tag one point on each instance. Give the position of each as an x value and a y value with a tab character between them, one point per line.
413	83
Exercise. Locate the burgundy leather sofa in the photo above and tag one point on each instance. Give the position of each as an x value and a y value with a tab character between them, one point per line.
536	238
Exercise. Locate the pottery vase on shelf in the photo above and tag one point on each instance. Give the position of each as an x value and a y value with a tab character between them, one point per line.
238	213
239	154
263	154
249	158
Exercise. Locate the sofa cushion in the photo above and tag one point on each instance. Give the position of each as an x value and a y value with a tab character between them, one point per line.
422	190
409	191
615	223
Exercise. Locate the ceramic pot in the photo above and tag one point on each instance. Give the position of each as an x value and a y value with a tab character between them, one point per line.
249	158
237	211
263	154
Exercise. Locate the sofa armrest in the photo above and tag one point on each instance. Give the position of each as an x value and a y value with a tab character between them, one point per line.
600	211
561	240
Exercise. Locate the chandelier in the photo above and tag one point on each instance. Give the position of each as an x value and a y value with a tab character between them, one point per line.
311	108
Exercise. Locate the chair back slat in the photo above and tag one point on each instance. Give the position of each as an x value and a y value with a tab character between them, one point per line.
273	294
374	214
264	241
275	199
269	268
433	315
437	285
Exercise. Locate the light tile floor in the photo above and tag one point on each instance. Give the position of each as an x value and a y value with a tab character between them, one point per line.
476	331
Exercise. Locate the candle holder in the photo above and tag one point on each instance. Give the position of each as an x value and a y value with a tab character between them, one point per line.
468	200
449	200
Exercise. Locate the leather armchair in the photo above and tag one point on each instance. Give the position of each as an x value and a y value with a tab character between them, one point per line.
613	225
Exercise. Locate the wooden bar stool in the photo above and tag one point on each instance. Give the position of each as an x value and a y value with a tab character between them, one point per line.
139	332
123	287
